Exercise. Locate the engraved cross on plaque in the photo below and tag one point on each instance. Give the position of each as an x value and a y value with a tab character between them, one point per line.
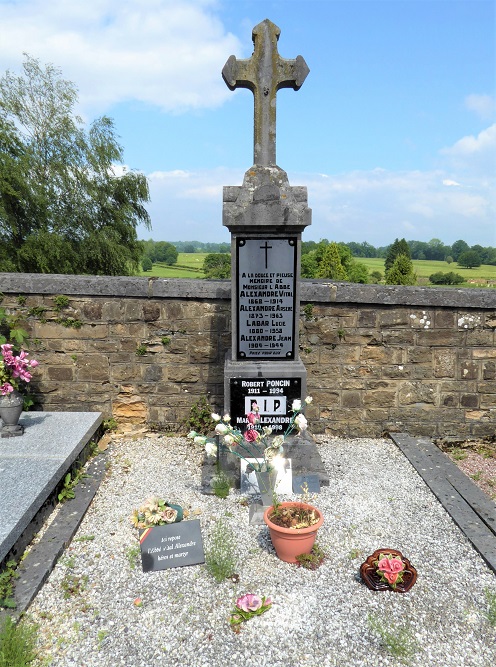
266	248
264	74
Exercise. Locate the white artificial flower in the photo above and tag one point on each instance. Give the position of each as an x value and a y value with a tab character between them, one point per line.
277	441
221	429
301	422
200	440
228	439
267	430
192	434
296	405
226	417
308	399
211	449
215	417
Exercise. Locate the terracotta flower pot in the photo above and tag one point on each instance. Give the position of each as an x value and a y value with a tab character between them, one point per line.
291	542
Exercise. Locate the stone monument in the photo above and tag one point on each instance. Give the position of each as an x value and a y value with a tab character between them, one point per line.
266	217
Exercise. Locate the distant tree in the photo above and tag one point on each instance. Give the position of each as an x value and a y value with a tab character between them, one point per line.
63	206
164	252
448	259
189	248
217	265
330	265
399	247
469	259
449	278
401	272
146	263
376	276
458	247
309	265
357	272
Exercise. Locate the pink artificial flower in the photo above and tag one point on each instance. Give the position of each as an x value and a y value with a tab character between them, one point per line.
6	388
391	576
268	602
384	564
251	435
33	363
249	602
252	418
396	565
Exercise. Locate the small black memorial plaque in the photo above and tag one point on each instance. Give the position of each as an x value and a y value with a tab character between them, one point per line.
273	397
266	298
173	545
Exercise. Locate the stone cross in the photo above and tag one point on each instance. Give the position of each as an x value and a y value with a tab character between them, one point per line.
264	74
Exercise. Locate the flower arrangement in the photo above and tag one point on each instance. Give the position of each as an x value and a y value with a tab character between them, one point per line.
390	569
155	512
14	369
247	606
254	438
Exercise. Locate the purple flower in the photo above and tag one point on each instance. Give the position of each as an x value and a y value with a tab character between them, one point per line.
6	388
249	602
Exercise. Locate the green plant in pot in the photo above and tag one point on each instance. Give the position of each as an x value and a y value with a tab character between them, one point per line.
293	527
255	445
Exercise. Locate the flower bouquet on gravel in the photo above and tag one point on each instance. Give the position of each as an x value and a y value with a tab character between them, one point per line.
155	512
388	569
255	442
248	606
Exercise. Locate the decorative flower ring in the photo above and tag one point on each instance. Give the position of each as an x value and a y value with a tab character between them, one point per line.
155	512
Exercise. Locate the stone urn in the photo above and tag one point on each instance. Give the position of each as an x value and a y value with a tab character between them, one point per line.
291	542
10	412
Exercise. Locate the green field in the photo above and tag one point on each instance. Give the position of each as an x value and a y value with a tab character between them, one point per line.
189	265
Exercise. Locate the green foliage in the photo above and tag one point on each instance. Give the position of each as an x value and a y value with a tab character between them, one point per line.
165	340
469	259
448	259
401	272
399	247
330	265
398	640
449	278
132	554
73	584
141	350
110	424
146	263
313	560
60	302
161	251
70	482
308	312
7	576
309	265
220	557
217	266
21	299
9	329
376	276
200	416
17	643
63	208
491	606
221	484
69	322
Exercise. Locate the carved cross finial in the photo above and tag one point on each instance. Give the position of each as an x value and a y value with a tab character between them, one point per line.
264	73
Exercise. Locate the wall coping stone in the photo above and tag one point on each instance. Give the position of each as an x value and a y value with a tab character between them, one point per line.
324	291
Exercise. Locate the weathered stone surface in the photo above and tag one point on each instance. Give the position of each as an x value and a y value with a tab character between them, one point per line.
444	363
415	392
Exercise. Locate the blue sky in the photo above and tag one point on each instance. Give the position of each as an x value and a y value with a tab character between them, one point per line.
393	131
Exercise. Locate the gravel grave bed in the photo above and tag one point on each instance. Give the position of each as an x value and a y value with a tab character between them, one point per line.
88	618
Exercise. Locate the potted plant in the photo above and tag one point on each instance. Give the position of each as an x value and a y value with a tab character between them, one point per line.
14	369
293	527
255	443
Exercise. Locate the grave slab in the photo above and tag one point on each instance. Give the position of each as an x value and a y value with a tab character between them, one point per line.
33	465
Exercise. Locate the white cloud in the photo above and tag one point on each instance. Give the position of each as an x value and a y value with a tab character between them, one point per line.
450	183
483	105
484	142
166	53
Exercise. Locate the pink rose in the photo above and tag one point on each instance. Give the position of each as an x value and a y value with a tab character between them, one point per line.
391	577
384	564
396	565
251	435
252	418
249	602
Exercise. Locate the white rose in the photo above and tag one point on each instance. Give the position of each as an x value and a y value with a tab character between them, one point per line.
221	429
211	449
296	405
215	417
301	422
200	440
226	417
267	430
277	441
192	434
228	440
308	399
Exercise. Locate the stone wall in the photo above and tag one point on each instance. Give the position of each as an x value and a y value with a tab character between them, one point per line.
379	358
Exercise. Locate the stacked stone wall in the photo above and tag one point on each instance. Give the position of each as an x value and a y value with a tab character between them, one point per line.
378	358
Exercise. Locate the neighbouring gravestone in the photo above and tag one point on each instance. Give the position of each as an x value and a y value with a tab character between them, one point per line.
172	545
266	217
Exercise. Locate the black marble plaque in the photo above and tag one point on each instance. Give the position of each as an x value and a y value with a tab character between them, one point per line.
273	396
173	545
266	296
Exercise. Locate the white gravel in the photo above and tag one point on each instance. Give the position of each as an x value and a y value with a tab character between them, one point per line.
319	619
